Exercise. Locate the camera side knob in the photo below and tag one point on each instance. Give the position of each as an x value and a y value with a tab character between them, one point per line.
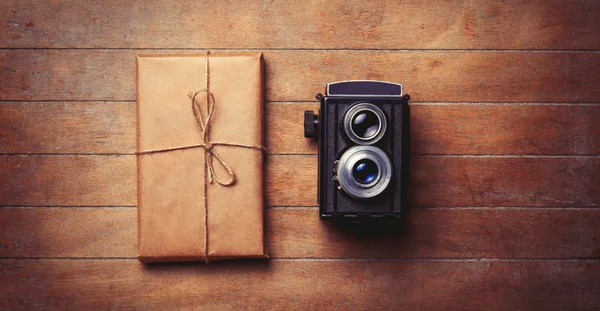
311	124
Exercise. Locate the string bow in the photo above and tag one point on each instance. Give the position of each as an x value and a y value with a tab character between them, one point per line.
207	145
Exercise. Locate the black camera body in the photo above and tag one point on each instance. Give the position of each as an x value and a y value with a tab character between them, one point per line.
363	133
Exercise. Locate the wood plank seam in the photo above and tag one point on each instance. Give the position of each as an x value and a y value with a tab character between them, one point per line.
559	208
204	49
300	102
374	259
283	155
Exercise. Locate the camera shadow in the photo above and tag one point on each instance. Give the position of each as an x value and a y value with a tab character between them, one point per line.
399	227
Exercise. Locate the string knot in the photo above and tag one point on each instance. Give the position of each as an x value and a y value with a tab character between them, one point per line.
204	125
209	153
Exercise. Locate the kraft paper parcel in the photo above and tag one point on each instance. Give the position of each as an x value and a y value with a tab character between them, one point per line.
172	178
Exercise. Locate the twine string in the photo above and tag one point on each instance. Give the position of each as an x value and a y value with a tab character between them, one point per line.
207	145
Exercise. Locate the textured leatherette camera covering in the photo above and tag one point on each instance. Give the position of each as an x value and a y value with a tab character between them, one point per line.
333	142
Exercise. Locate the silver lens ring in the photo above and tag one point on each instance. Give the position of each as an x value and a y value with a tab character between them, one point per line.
346	169
352	112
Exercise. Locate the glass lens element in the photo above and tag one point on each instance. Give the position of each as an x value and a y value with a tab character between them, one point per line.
365	171
365	124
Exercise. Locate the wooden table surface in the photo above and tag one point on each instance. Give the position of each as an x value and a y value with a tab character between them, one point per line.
505	171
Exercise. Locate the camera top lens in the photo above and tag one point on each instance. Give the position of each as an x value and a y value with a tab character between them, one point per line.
365	171
364	123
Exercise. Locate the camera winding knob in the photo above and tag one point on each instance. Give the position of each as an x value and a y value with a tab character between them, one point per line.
311	124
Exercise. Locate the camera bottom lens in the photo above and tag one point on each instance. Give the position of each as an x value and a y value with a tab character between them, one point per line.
364	171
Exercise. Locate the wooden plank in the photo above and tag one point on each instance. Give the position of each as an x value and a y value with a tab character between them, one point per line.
299	233
456	76
292	181
67	128
92	128
466	129
301	285
442	233
540	24
68	232
505	129
505	181
285	128
67	180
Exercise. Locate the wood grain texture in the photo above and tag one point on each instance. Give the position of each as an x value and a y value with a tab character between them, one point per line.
297	75
301	285
68	232
109	128
292	180
67	128
299	233
465	129
512	181
505	129
431	24
67	180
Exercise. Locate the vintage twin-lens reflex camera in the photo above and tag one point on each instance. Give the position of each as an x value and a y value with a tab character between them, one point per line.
362	128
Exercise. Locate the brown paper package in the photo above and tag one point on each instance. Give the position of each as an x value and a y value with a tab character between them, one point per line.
171	184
